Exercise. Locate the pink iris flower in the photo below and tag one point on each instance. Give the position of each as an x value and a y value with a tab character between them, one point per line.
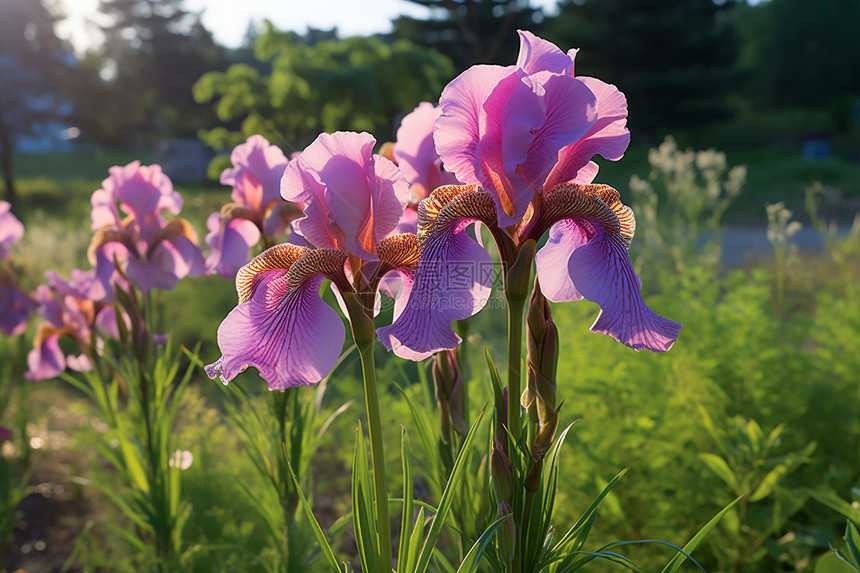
257	208
156	252
414	153
521	139
353	201
68	313
11	230
15	305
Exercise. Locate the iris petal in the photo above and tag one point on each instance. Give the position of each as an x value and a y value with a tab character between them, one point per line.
453	279
291	336
600	271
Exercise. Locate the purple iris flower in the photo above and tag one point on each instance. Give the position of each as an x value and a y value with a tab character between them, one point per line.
68	313
522	138
11	230
415	152
156	252
353	203
15	305
257	207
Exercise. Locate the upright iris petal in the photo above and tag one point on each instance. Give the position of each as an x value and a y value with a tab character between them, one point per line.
142	191
257	207
256	173
520	130
353	198
415	152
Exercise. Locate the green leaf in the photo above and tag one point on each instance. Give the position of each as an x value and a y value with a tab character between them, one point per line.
406	516
691	545
448	497
318	532
852	539
364	524
414	544
831	562
427	442
830	498
578	533
719	466
473	557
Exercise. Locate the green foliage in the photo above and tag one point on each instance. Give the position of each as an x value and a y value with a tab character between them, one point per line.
359	84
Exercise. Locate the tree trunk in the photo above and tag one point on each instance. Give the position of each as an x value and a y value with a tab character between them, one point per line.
6	166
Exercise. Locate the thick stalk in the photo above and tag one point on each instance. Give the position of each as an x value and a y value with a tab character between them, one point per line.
515	342
517	287
364	334
377	460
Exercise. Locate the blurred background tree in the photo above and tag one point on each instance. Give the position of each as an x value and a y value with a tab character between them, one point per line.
33	65
674	59
801	56
136	86
470	32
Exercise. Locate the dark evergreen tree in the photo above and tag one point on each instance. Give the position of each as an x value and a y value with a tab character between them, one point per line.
33	63
802	54
154	51
470	31
675	59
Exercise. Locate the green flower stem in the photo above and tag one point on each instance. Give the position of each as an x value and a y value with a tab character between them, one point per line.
517	287
364	334
374	424
515	341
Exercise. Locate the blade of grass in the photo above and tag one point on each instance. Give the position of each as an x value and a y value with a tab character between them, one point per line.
691	545
406	516
448	497
318	532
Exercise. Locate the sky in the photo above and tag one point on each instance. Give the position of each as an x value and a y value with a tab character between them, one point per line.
228	19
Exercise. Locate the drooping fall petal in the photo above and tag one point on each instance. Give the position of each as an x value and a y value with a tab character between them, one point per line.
586	257
281	325
230	241
15	308
46	360
453	278
292	338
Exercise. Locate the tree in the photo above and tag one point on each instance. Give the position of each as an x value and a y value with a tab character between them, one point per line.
802	55
470	31
32	65
139	81
350	84
674	59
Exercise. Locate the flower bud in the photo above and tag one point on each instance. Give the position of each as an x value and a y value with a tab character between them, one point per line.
450	393
507	534
503	474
